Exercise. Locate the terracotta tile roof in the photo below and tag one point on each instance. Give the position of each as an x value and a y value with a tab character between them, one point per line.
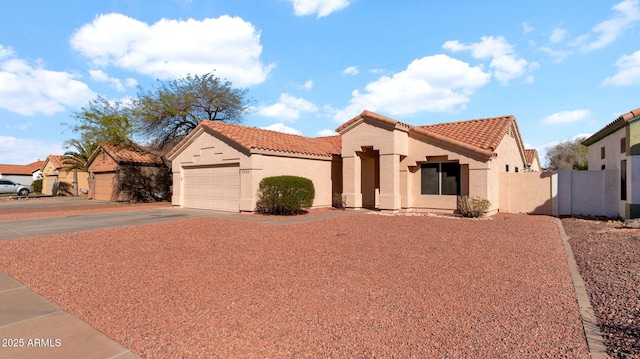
611	127
130	156
261	139
530	156
27	169
57	161
485	133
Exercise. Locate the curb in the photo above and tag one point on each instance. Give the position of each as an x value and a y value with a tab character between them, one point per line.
595	341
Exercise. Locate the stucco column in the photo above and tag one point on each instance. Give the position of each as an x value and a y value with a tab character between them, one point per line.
390	198
351	177
478	186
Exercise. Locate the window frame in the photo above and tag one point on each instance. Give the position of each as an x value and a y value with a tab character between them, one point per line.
448	174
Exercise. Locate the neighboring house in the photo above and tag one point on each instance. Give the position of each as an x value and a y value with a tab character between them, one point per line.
617	147
532	160
59	180
121	174
23	174
376	162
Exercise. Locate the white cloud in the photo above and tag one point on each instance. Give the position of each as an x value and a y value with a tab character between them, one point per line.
626	14
101	76
557	55
326	132
558	35
280	127
436	83
308	85
566	117
628	71
288	108
21	151
171	49
6	51
505	63
351	70
319	7
28	89
526	28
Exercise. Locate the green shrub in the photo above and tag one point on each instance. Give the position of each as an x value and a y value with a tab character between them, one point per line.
339	201
37	186
285	195
473	207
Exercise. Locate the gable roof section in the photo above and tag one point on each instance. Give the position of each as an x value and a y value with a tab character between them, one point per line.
372	117
251	138
479	137
531	155
25	170
485	133
612	127
56	160
126	156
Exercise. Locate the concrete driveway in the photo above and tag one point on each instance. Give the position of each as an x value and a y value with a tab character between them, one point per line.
26	228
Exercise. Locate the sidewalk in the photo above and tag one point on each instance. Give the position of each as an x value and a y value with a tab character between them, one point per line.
32	327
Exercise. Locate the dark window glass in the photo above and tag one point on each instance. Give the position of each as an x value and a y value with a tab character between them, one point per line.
602	152
623	180
450	178
623	145
430	179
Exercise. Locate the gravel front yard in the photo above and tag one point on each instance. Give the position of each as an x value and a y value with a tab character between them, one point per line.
609	260
360	286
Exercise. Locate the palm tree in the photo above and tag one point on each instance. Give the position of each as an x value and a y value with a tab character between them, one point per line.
77	160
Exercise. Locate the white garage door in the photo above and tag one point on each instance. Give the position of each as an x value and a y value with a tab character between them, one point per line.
215	187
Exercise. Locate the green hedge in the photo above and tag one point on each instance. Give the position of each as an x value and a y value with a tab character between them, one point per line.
36	186
285	195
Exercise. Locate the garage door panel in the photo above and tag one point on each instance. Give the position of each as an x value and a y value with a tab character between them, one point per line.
104	186
215	187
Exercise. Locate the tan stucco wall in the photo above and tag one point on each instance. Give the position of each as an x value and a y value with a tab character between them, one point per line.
103	163
526	192
318	171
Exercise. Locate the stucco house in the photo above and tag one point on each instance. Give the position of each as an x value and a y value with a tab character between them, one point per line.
59	180
126	174
375	162
23	174
617	147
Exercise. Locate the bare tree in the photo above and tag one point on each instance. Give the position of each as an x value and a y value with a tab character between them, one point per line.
568	155
170	111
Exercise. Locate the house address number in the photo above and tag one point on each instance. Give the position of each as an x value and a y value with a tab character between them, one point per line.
244	172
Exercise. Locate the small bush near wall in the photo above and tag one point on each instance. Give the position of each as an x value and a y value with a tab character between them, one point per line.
473	207
339	201
285	195
36	186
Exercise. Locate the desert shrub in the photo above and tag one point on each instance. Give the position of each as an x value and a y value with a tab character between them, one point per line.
285	195
36	186
339	201
473	207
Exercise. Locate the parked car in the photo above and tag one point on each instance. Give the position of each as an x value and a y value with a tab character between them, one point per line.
7	186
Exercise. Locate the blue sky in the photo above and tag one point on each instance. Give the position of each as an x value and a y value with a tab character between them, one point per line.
562	68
